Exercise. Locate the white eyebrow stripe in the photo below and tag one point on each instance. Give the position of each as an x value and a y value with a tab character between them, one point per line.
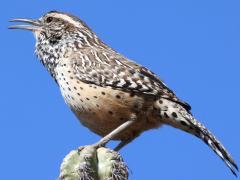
66	18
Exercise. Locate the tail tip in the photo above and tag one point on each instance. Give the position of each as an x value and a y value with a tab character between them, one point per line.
234	171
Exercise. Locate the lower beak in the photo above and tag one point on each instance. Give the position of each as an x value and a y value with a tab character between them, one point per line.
35	25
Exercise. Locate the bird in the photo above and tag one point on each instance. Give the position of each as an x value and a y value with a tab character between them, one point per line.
110	94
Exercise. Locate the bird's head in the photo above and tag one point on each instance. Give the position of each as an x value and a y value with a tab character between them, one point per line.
54	26
57	35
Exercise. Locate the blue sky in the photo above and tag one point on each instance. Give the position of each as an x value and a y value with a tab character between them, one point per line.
193	45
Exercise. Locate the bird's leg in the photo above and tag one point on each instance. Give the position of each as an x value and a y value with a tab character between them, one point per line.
114	133
123	143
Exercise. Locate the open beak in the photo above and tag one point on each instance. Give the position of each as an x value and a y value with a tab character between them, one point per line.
34	25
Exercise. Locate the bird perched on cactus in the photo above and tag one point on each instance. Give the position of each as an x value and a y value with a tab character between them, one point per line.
113	96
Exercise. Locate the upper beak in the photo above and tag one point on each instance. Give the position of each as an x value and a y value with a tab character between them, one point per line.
34	24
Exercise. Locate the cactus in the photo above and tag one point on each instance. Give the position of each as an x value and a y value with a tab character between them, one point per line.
90	163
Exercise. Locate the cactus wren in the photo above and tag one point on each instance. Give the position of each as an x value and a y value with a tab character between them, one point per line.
111	95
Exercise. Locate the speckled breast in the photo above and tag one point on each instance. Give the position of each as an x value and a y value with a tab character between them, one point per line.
103	109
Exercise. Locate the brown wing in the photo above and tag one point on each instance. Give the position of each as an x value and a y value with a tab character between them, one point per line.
107	68
164	91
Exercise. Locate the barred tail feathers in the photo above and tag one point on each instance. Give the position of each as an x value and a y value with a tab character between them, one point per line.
175	115
204	134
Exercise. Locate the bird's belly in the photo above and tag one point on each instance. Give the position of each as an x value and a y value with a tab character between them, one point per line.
111	115
103	109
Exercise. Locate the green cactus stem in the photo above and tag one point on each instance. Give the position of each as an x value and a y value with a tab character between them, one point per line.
90	163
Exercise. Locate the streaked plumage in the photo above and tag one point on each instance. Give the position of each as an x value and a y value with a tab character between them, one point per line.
105	89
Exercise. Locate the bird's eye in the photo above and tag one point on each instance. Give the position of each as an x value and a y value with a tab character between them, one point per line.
49	19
